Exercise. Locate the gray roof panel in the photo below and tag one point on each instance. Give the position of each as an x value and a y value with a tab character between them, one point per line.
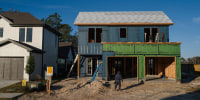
123	17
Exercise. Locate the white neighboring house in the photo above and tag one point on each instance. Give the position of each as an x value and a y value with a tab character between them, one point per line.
22	35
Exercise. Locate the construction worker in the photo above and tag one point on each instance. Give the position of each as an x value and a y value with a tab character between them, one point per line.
118	80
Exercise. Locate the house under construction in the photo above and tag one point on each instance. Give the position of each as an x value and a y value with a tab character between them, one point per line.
135	43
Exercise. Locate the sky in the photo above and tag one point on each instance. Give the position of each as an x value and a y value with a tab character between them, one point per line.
184	13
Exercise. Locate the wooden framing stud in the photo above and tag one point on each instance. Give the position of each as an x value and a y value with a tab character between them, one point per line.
78	67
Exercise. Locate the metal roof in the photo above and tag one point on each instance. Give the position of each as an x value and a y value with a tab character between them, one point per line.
123	17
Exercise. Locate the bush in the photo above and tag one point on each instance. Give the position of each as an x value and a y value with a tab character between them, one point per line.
30	66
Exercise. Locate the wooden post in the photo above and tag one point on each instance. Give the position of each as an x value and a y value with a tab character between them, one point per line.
133	68
137	70
49	92
125	65
78	69
107	68
175	69
47	85
144	70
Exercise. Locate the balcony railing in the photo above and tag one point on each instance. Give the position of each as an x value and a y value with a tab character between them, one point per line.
158	48
90	48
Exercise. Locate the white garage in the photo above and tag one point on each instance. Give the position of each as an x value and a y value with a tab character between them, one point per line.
11	68
13	59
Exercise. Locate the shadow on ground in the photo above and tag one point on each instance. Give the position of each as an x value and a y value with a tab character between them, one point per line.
134	85
71	79
57	87
106	84
189	96
151	79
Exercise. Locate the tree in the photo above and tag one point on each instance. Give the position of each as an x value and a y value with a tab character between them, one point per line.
0	10
65	30
193	60
196	60
54	21
30	66
183	61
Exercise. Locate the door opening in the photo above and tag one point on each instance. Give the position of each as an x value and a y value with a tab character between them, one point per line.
126	65
92	64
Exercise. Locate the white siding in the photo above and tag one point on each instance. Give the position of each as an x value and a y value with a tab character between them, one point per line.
13	33
12	50
51	49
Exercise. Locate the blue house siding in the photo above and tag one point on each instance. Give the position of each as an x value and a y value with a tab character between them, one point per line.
83	64
105	54
110	34
105	34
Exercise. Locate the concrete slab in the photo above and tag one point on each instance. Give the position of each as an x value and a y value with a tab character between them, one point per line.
5	83
10	95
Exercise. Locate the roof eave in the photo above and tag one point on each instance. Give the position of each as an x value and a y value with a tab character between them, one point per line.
10	22
27	25
119	24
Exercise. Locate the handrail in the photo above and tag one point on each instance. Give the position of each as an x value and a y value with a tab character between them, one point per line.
141	43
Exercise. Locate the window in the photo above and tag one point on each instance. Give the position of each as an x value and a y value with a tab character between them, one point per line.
29	35
146	34
154	32
98	35
122	32
21	34
91	33
1	32
151	37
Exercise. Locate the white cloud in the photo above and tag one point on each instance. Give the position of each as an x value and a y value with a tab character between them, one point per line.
196	19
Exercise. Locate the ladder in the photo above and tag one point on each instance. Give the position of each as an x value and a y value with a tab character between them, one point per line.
72	66
95	73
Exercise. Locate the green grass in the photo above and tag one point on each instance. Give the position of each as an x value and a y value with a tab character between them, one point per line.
18	88
15	88
6	99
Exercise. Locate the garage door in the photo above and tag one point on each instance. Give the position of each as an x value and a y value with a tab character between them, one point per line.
11	68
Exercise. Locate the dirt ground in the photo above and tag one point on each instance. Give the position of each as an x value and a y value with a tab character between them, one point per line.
73	89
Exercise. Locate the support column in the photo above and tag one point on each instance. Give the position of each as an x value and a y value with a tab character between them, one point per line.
141	67
178	68
125	65
78	66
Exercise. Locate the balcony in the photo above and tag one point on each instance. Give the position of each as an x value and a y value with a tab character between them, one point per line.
147	48
90	49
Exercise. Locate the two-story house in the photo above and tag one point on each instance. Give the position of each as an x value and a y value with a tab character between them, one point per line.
135	43
22	35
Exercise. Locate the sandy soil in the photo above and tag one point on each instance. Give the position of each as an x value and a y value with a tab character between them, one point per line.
73	89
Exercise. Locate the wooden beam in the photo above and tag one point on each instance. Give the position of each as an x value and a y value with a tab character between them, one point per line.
175	69
137	70
133	68
119	24
144	70
78	69
106	68
125	65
